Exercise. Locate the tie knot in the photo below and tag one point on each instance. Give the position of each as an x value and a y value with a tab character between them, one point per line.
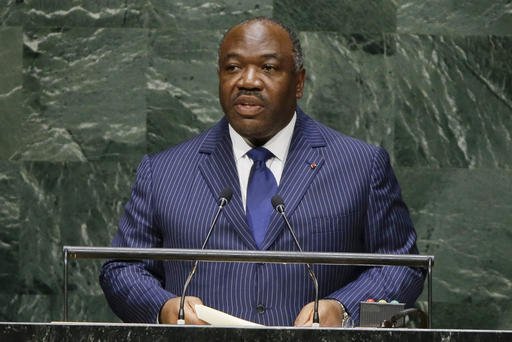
260	154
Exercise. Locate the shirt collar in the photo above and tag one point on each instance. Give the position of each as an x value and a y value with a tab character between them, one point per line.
278	144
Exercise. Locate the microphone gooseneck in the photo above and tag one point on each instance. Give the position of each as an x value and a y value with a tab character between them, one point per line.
278	204
224	198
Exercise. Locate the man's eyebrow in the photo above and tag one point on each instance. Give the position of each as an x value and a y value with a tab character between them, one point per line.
270	55
265	56
231	55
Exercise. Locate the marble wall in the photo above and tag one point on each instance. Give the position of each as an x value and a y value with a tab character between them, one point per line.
88	87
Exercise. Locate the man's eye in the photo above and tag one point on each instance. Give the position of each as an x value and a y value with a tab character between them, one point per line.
231	68
269	67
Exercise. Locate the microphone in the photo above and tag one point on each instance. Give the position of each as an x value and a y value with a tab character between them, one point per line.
278	204
224	198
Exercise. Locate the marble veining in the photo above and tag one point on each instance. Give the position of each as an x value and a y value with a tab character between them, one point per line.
481	17
88	87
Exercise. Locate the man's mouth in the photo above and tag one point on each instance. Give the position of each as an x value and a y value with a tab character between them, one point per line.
248	105
248	109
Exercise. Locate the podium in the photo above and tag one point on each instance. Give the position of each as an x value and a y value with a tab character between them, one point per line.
73	331
357	259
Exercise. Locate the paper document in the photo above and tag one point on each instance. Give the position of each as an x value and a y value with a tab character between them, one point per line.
219	318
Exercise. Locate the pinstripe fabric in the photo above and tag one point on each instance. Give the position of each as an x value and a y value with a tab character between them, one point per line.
349	203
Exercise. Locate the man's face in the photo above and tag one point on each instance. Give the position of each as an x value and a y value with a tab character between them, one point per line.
258	84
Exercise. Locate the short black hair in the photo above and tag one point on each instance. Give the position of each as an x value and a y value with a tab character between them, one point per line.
298	54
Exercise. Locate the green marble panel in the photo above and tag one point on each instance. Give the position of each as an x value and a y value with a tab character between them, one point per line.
194	14
453	101
92	84
182	93
201	15
81	13
48	308
67	204
461	17
347	85
84	92
27	308
86	301
11	114
347	16
464	218
10	224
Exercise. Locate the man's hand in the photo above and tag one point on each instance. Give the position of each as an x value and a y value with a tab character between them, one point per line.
169	311
329	310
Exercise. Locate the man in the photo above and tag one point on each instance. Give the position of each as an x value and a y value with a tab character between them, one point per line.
341	196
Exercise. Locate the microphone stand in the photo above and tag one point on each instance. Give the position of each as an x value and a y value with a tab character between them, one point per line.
224	199
278	204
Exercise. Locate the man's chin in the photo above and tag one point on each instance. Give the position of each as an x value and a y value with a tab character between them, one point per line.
257	135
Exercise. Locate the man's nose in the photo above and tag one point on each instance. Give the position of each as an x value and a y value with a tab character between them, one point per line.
249	79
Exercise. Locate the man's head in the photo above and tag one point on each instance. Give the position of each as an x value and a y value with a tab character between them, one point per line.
260	77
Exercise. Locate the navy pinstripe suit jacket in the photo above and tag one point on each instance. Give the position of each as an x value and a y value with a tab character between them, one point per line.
350	202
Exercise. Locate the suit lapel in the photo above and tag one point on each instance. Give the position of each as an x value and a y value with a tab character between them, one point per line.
218	169
303	163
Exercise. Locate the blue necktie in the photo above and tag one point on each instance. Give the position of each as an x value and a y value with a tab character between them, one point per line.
262	186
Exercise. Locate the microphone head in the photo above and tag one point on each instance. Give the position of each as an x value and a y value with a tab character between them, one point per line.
278	203
225	195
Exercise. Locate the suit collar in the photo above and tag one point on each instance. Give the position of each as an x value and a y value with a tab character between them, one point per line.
304	162
219	171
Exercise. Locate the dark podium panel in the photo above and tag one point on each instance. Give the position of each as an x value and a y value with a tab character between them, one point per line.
139	332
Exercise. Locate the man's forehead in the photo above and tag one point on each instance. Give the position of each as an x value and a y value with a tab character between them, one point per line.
259	39
257	31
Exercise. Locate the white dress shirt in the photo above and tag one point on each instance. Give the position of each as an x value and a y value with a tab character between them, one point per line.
279	145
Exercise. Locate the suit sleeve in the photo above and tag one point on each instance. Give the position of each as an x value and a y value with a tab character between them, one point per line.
134	289
387	229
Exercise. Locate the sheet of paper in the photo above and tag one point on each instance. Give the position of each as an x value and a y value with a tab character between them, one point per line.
219	318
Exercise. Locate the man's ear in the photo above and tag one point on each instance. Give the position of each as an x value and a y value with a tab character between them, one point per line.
299	90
